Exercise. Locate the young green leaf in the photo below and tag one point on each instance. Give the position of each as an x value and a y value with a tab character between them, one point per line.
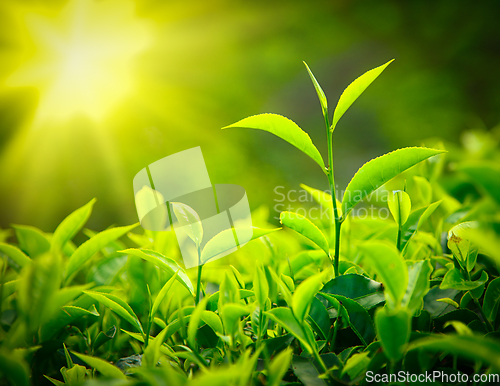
285	318
161	295
231	314
279	366
85	251
305	292
285	129
454	279
399	204
319	91
194	323
105	368
70	226
224	241
18	256
323	198
261	286
213	320
118	306
393	329
32	240
373	174
390	268
306	228
165	263
354	90
419	273
189	221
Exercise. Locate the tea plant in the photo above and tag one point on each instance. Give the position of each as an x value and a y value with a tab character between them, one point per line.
350	301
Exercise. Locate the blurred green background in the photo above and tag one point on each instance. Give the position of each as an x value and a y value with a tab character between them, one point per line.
160	77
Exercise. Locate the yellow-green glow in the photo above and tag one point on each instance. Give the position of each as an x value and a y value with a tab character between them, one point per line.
82	59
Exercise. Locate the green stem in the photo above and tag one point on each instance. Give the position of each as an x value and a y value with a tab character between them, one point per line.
331	180
398	243
198	284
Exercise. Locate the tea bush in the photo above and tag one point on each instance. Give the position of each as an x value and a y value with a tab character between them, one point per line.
326	301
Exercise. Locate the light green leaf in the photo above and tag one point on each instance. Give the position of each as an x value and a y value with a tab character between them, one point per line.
70	226
165	263
261	286
492	300
118	306
399	204
460	245
449	301
390	268
319	91
378	171
354	90
475	348
285	318
419	273
32	240
454	279
213	320
285	129
162	294
18	256
356	364
306	228
152	352
279	366
105	368
189	220
194	323
86	250
224	241
231	314
323	198
393	329
305	292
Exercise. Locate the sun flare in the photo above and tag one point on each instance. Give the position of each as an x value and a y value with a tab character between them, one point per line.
81	60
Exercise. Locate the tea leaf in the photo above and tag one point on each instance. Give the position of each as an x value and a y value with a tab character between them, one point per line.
285	129
18	256
418	284
92	246
362	289
390	268
161	295
194	323
399	204
118	306
319	91
354	90
279	366
285	318
32	240
305	292
373	174
70	226
492	300
231	314
454	279
189	221
393	329
105	368
472	347
224	241
261	286
166	263
306	228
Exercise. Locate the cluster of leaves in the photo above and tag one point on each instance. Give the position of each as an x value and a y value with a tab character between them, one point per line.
320	305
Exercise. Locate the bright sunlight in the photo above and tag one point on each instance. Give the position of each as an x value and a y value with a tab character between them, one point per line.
81	59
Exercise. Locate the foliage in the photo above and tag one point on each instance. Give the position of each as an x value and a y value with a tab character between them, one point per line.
320	305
